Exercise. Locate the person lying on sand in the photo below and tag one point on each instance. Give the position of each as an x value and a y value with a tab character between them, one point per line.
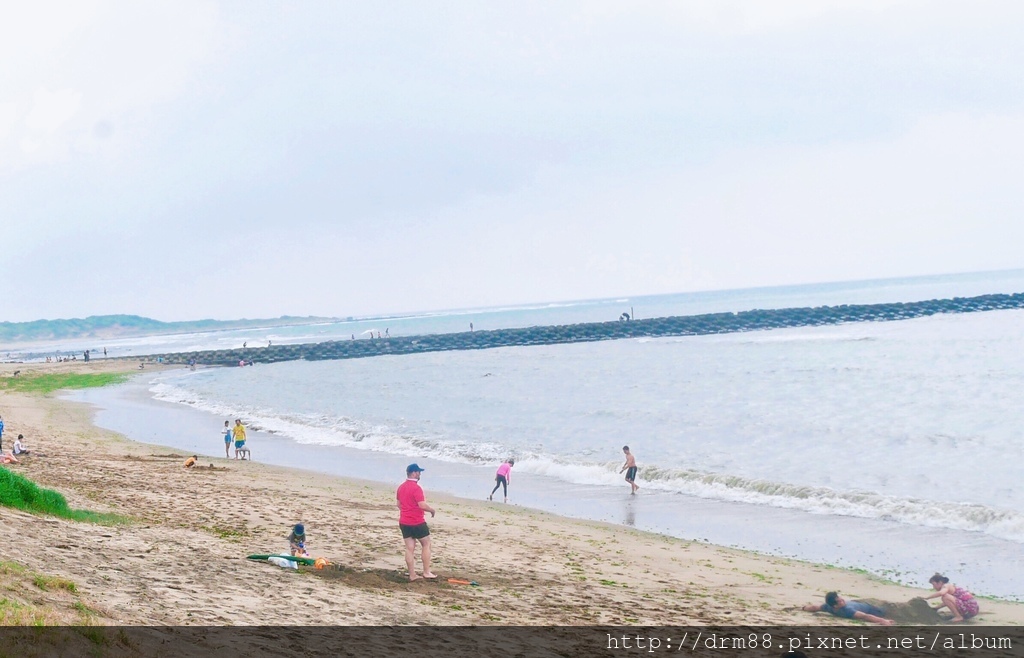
840	607
960	602
7	458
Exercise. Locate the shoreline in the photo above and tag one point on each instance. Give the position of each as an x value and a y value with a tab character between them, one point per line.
883	547
182	561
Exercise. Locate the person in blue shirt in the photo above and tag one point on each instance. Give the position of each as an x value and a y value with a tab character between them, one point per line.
840	607
1	433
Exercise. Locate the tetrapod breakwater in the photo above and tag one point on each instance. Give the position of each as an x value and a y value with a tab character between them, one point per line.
686	325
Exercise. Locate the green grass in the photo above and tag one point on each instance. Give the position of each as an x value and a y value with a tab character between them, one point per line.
19	492
47	583
48	383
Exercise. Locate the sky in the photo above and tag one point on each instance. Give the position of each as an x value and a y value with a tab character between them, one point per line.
201	159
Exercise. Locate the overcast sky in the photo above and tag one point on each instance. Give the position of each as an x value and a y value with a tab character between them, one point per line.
197	159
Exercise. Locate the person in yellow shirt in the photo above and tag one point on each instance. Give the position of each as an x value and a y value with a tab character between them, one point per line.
239	435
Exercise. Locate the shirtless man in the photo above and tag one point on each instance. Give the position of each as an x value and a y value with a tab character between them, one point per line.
630	468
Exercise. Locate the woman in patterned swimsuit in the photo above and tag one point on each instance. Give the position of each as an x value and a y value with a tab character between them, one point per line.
960	602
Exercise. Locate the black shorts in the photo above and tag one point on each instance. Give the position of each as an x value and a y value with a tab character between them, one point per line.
631	473
414	531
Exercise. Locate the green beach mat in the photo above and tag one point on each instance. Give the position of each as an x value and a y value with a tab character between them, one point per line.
300	560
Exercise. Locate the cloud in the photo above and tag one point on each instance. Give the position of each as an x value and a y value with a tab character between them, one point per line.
69	66
203	158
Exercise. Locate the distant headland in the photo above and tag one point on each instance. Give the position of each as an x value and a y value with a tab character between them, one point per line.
121	326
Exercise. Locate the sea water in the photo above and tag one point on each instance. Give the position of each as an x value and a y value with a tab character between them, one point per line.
892	446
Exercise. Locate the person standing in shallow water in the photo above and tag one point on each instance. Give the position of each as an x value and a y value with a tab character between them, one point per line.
503	478
630	468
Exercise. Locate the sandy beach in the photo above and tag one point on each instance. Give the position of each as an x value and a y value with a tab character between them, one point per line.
181	558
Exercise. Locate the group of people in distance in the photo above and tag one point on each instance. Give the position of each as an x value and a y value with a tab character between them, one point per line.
960	602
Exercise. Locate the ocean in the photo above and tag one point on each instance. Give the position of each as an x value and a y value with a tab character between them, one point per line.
891	447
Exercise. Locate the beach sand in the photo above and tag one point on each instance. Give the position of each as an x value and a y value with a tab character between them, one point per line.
181	560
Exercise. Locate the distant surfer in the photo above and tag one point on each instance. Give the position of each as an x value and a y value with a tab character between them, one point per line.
630	468
503	478
412	503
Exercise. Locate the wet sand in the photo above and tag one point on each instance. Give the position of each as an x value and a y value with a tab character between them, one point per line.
182	559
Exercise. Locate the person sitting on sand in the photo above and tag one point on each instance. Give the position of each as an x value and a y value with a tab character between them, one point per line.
7	458
960	602
297	541
840	607
630	468
239	436
19	447
503	478
191	461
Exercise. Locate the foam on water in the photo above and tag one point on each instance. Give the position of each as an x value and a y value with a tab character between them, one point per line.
582	465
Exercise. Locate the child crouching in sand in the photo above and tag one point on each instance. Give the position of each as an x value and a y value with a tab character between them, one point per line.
297	541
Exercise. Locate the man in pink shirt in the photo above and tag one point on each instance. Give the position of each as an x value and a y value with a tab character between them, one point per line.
411	520
503	478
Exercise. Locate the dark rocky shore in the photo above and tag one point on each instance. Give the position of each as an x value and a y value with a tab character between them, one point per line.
688	325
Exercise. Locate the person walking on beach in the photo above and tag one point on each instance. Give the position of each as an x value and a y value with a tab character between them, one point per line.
239	436
503	478
227	440
630	468
1	433
412	503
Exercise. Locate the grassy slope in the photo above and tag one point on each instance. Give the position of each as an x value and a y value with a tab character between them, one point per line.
19	492
48	383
